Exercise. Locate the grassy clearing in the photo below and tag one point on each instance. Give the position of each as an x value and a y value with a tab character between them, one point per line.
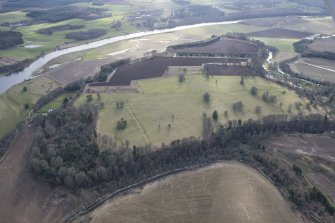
285	45
226	192
12	102
165	101
55	104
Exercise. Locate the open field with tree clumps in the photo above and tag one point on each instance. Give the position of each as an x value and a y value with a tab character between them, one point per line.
226	192
167	109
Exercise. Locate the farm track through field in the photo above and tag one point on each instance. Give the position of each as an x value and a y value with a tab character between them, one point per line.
312	65
138	124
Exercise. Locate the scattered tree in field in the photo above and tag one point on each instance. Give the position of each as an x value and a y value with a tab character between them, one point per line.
225	114
181	78
268	98
169	126
207	128
281	104
121	124
254	91
26	106
289	110
98	96
65	101
242	80
119	105
215	115
24	89
89	98
238	107
207	97
298	105
297	170
258	110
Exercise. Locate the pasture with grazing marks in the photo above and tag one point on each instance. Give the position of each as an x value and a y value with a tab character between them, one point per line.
225	192
165	101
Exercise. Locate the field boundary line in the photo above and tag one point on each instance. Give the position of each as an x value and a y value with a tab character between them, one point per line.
312	65
138	124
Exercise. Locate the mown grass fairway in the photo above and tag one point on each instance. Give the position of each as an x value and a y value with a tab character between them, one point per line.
165	101
12	102
226	192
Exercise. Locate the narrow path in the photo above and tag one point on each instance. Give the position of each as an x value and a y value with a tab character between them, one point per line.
138	124
312	65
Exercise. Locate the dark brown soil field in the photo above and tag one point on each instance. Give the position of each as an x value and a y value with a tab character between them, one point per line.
225	46
307	144
219	70
323	45
280	33
156	67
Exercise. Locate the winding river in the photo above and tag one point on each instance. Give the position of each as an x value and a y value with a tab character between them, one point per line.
8	81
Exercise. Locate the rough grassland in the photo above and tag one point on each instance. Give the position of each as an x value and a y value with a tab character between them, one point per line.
12	102
226	192
165	101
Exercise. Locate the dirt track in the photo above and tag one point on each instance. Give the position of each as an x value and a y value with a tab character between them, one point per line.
23	199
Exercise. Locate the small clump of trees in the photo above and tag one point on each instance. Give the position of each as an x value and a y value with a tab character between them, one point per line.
254	91
238	107
268	98
207	97
181	78
121	124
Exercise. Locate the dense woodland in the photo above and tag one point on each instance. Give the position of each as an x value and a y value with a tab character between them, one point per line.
86	35
67	154
302	48
65	13
10	39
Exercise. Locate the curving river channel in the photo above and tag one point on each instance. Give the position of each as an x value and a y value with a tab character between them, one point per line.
8	81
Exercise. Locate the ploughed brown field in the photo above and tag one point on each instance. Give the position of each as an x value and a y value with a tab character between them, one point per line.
226	192
280	33
314	145
323	45
316	154
155	67
225	46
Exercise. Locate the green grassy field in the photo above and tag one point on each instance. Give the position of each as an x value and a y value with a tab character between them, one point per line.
165	101
12	102
285	45
56	103
226	192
